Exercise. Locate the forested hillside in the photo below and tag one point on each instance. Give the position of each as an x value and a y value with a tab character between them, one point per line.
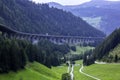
109	49
26	16
102	14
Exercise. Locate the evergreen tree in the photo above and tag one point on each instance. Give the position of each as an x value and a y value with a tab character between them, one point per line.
116	58
14	56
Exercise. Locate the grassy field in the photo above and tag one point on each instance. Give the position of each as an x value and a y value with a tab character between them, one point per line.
104	71
81	50
33	71
77	74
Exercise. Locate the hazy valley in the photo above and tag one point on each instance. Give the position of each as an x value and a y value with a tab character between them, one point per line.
55	42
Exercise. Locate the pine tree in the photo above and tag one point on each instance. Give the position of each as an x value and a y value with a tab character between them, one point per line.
116	58
14	54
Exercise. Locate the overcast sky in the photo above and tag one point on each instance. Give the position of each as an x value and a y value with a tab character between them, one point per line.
66	2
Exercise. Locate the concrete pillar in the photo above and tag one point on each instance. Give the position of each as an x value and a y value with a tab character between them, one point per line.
66	41
70	41
59	41
5	34
11	36
54	41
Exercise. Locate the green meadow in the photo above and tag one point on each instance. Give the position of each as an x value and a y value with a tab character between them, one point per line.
36	71
77	74
33	71
81	50
104	71
60	69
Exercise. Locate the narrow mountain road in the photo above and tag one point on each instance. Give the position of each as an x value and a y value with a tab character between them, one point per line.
68	70
71	70
71	73
87	74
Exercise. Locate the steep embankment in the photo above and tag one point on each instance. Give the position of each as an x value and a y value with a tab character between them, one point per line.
26	16
33	71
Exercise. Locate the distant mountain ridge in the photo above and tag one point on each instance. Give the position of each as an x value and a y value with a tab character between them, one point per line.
101	14
26	16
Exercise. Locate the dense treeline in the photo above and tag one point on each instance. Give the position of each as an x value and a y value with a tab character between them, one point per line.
88	58
14	54
26	16
50	54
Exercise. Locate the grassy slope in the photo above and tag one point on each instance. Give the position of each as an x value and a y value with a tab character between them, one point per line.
81	50
104	71
43	70
33	71
60	69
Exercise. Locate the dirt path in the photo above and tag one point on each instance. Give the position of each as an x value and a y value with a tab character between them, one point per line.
71	73
87	74
71	70
68	70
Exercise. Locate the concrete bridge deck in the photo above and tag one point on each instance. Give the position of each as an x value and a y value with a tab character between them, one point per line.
53	38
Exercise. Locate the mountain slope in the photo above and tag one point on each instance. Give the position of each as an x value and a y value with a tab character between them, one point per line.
33	71
26	16
109	49
115	51
106	11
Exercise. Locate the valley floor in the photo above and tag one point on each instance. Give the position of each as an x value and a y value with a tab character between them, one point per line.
36	71
104	71
100	71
